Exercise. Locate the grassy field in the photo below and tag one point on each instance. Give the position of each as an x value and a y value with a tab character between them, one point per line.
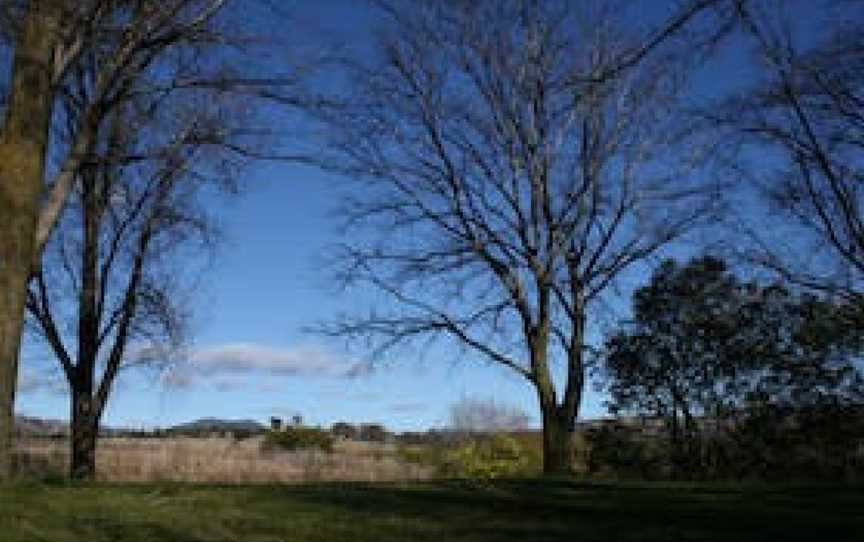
439	511
219	460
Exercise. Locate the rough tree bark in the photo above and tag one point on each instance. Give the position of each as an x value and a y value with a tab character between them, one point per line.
22	155
85	414
85	427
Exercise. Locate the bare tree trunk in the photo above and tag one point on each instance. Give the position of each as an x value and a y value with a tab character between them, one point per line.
693	444
84	411
85	423
22	155
675	442
558	443
12	287
558	420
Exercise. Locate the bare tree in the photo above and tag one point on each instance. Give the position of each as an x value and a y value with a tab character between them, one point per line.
515	158
805	118
119	43
486	415
134	209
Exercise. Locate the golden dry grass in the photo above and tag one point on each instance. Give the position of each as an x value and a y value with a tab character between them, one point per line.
221	460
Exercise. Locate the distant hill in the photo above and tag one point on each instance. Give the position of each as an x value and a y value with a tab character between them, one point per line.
217	425
30	426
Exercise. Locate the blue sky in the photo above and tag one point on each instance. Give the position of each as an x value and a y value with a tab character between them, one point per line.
264	288
267	285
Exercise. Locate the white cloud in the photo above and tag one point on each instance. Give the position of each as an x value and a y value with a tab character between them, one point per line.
243	357
250	358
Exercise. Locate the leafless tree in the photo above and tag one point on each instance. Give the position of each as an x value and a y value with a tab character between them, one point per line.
108	294
171	44
514	159
804	117
486	415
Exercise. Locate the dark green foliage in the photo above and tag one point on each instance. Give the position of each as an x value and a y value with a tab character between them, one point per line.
728	364
298	438
620	452
344	430
372	432
688	351
778	443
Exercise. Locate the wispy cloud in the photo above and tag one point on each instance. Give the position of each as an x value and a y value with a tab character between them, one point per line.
33	383
218	361
245	357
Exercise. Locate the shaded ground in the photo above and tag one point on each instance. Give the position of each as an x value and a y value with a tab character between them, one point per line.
524	511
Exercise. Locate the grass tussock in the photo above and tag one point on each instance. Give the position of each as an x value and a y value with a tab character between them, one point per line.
220	460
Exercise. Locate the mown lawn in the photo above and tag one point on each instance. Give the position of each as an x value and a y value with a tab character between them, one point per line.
440	512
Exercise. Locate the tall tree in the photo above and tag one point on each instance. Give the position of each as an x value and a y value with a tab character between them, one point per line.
134	207
514	160
117	42
23	145
478	415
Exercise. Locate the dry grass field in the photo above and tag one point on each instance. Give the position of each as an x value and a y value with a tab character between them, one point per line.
220	460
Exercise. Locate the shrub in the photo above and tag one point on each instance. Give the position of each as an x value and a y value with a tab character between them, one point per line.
619	452
423	454
489	458
298	438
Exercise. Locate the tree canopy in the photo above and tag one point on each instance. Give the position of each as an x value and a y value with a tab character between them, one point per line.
706	350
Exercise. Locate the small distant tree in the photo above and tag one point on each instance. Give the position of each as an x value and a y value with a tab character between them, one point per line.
294	437
473	415
373	432
344	430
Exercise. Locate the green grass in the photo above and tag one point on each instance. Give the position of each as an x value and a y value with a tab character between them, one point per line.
440	512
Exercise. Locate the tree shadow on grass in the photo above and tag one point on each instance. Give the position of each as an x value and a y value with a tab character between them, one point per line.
131	531
550	510
523	510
